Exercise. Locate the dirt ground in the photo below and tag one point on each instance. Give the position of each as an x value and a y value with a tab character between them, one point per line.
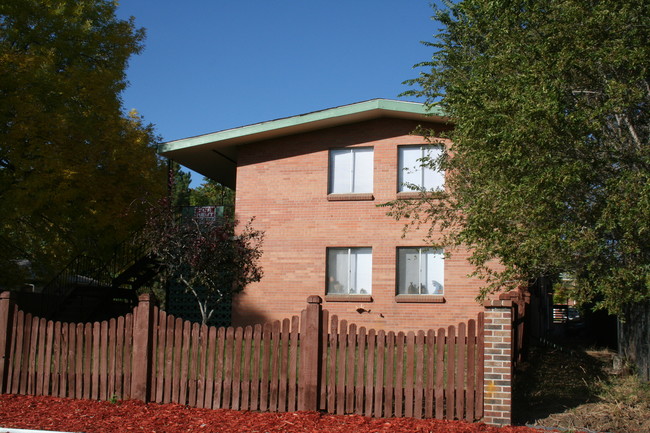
577	389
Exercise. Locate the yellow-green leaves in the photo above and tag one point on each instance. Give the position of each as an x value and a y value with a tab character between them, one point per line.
75	170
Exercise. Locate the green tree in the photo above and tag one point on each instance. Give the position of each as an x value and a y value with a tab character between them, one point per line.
549	170
211	258
180	185
74	169
212	193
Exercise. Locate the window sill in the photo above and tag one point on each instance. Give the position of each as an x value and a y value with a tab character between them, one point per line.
420	299
350	197
348	298
411	195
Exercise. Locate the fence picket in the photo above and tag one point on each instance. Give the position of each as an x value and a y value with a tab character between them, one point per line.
209	377
451	371
88	347
128	350
218	382
31	382
112	334
155	329
65	350
103	361
331	363
360	370
324	358
185	362
95	356
284	366
351	345
160	364
79	362
340	371
70	367
193	364
293	365
57	359
24	356
264	379
379	379
480	366
441	342
246	371
255	370
418	385
120	356
176	357
399	375
370	371
471	370
460	372
169	360
389	371
430	369
410	361
275	366
236	370
42	325
203	354
227	372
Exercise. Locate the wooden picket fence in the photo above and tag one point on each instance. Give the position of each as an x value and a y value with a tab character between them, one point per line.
307	362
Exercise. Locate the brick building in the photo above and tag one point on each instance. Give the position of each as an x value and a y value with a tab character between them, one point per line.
313	183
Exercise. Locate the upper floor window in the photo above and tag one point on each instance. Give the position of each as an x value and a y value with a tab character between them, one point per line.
349	271
351	170
412	174
421	271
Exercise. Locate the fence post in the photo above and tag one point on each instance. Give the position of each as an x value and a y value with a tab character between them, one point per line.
497	381
310	355
142	344
6	322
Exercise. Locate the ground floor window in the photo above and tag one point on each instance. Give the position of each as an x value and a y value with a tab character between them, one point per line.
349	271
420	271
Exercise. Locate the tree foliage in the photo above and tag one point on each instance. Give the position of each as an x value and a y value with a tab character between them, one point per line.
549	170
211	258
212	193
74	169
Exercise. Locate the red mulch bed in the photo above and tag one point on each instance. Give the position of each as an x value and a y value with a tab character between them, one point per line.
49	413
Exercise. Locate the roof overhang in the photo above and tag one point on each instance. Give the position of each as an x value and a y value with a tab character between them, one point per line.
215	155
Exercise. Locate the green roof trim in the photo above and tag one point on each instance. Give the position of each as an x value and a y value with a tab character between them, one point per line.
387	105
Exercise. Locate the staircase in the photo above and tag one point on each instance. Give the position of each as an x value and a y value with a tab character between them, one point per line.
93	289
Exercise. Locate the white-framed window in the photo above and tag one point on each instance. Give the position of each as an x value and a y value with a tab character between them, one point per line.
349	271
351	170
420	271
413	173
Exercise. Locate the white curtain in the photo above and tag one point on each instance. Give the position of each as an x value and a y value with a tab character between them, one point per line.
411	170
351	170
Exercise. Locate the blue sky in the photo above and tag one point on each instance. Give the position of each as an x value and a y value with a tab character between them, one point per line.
213	65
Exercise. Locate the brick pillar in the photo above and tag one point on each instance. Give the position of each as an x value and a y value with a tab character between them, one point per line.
310	354
497	379
142	346
6	322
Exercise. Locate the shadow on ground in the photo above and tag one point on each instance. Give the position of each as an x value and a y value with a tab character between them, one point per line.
553	380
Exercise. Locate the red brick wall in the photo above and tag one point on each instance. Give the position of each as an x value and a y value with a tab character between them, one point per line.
283	184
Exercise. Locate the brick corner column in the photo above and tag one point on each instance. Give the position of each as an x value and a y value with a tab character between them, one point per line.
498	374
